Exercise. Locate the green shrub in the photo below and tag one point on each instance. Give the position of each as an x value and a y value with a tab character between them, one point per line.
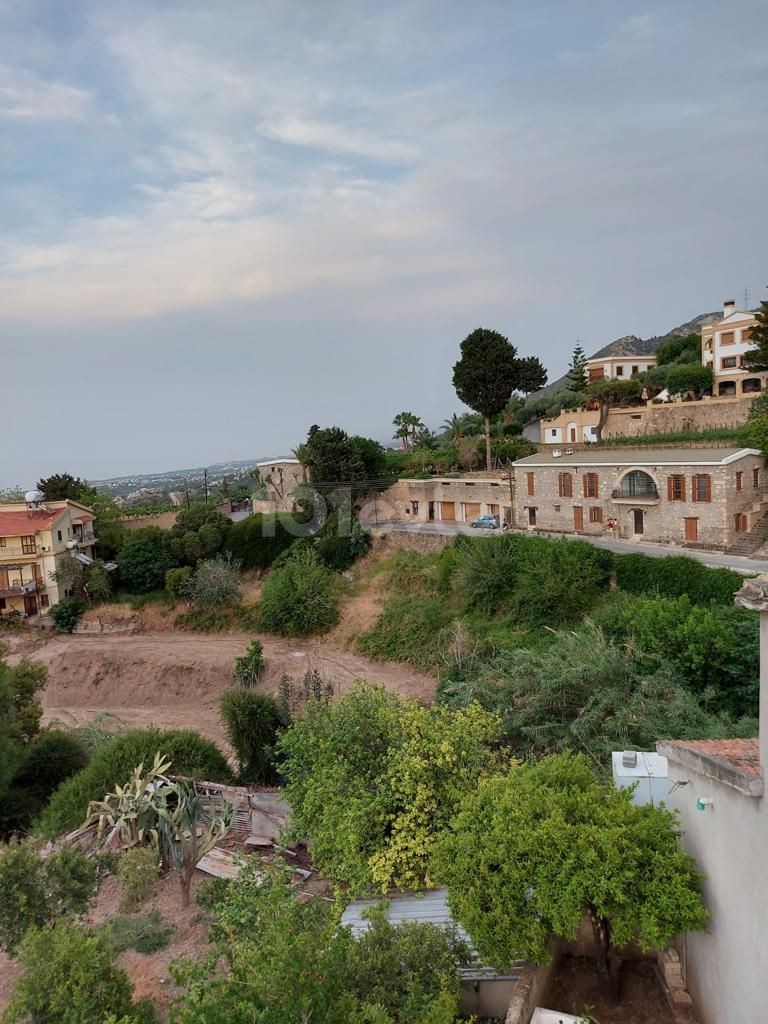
299	598
188	751
66	614
71	975
215	583
137	871
204	620
145	934
257	541
36	892
51	758
176	579
144	560
212	891
252	721
411	629
249	666
676	576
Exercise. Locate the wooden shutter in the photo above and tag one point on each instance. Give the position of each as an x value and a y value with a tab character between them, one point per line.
708	488
531	483
670	488
560	484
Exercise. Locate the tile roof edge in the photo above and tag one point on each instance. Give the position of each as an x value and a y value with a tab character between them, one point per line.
712	766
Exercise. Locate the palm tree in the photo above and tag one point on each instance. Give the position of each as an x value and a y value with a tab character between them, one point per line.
454	427
300	453
406	424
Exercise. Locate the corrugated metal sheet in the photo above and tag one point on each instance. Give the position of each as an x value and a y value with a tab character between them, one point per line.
430	907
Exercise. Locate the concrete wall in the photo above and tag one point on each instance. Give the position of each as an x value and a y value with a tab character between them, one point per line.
726	970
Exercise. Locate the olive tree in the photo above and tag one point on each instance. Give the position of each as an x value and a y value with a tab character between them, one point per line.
531	853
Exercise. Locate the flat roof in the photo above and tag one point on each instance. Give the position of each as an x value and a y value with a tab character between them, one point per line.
638	457
280	462
428	906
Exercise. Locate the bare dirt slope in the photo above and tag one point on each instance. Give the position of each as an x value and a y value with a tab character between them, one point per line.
174	679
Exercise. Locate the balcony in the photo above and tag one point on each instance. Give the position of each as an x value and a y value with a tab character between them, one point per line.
637	488
21	588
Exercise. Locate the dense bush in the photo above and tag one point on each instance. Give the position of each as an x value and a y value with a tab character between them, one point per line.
676	576
51	758
66	614
585	692
199	532
144	560
258	540
137	871
112	765
248	667
71	975
299	598
36	892
215	582
176	579
714	651
339	545
411	629
252	721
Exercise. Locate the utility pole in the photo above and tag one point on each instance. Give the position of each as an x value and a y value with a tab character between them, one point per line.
511	481
205	484
186	490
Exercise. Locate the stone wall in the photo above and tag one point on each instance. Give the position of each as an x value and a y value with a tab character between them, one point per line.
164	520
421	543
672	418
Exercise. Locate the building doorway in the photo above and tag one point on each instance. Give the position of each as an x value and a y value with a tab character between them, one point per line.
448	511
638	521
531	516
30	605
578	518
471	510
431	511
691	530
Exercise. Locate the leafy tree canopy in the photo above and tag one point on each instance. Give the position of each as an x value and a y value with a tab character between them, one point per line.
62	485
683	350
332	459
530	853
144	560
372	779
757	358
371	455
532	374
692	377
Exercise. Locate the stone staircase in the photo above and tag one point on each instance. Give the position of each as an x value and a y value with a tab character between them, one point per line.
748	543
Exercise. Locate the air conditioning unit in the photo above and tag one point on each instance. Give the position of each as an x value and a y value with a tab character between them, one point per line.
44	548
569	451
556	454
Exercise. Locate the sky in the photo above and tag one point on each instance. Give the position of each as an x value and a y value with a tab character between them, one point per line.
222	223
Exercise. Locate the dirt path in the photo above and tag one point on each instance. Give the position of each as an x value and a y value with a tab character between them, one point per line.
174	679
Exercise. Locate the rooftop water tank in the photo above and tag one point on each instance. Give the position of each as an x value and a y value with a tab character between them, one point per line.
649	771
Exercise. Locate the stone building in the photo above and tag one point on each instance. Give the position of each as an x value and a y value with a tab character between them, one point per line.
442	499
706	496
723	347
279	479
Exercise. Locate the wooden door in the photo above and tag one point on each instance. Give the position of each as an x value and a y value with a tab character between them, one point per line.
30	606
471	510
639	520
573	433
448	511
691	529
578	518
493	509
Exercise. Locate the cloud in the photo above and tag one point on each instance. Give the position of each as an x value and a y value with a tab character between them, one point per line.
298	131
25	96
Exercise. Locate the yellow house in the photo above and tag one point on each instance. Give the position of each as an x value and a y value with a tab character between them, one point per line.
34	538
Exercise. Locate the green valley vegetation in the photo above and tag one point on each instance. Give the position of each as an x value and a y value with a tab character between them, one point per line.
531	629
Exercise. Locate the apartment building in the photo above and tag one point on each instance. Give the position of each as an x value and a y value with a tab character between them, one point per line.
697	496
723	347
34	538
618	367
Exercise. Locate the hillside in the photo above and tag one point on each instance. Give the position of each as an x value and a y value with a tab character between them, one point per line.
631	345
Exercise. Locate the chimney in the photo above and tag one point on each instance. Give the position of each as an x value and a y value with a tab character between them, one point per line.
729	306
754	595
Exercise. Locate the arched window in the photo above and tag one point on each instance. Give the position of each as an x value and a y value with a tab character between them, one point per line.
637	484
750	385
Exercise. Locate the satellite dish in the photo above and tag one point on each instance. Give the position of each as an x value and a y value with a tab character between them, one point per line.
34	497
71	544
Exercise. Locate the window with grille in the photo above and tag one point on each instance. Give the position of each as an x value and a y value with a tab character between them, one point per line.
590	485
28	546
595	515
676	488
756	477
701	486
739	480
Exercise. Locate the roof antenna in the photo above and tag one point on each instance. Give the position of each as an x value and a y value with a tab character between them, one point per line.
746	298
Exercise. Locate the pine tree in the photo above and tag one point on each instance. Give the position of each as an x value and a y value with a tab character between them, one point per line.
577	371
757	358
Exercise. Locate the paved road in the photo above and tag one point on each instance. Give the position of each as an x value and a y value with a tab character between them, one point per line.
717	559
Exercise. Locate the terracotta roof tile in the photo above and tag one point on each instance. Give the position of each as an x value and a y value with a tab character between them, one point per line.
742	754
22	524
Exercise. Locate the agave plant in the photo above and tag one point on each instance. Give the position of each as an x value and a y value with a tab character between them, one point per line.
134	809
182	840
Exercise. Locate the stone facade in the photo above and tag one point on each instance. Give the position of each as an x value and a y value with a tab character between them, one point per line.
441	499
279	478
691	496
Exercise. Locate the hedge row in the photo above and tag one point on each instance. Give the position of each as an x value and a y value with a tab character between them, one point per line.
676	576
